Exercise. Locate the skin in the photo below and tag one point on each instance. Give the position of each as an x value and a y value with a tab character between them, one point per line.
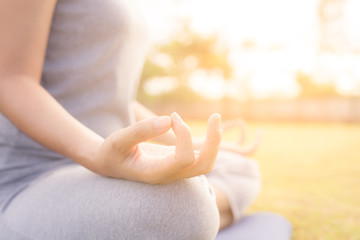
169	138
24	27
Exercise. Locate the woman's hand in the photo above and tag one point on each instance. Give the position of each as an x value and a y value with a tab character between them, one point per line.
235	146
125	155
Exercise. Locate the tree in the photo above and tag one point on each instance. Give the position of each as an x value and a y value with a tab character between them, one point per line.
311	89
188	52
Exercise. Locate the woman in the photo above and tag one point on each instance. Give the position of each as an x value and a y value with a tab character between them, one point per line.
74	164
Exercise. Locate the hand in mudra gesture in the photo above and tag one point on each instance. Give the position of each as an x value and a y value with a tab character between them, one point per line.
125	154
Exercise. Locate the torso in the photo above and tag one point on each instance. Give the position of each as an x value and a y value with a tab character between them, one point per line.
94	58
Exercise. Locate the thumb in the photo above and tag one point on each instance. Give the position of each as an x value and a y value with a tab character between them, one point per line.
143	131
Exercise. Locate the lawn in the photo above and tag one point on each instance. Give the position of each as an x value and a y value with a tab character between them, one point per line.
311	175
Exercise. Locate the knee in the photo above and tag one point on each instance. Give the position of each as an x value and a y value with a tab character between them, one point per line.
245	171
185	209
239	174
247	187
254	176
253	169
77	204
240	180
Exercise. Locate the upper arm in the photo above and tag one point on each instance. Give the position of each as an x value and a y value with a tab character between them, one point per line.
24	31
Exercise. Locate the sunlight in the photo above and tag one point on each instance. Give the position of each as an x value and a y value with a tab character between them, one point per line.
210	85
271	82
352	19
160	85
284	34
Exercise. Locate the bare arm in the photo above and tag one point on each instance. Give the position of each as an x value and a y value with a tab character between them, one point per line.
24	27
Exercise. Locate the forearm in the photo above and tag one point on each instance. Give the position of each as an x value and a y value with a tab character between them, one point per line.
36	113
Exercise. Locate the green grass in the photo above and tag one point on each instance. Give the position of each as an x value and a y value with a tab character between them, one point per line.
311	175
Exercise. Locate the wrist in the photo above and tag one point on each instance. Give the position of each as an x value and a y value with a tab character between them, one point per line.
87	154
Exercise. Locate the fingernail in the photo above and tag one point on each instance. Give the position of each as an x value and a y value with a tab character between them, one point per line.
162	122
217	118
176	117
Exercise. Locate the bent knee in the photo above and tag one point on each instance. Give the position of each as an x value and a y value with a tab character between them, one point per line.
185	209
181	210
77	204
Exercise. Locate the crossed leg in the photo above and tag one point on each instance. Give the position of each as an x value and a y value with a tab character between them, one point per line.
74	203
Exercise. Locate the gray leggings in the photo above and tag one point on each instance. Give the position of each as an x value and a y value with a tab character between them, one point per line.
74	203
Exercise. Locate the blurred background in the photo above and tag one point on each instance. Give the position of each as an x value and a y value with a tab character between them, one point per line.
291	68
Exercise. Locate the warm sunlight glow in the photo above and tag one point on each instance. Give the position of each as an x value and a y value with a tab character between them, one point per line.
352	20
210	85
284	36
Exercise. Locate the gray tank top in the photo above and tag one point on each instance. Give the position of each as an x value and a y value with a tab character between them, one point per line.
93	60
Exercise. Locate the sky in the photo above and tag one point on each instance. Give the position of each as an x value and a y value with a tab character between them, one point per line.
285	34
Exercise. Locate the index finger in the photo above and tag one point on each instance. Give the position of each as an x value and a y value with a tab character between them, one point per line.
208	152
